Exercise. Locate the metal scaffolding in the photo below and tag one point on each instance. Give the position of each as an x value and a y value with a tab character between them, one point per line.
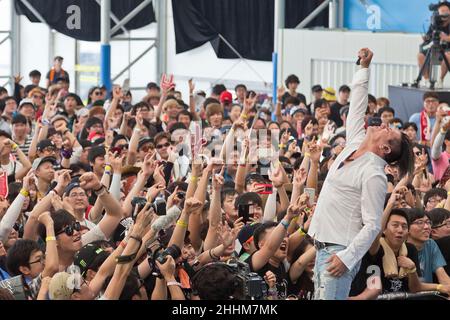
158	42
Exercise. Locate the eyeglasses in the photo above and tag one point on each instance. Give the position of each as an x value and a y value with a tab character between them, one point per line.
431	100
445	224
422	223
41	259
69	230
395	225
434	200
160	146
49	149
74	195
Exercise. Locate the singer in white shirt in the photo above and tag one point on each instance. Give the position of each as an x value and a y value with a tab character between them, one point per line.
348	214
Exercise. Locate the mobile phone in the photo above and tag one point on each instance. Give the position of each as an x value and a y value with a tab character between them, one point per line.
159	206
138	203
117	150
311	192
374	122
126	85
244	212
268	188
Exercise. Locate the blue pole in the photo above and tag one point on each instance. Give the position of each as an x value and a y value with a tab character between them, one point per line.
275	81
105	66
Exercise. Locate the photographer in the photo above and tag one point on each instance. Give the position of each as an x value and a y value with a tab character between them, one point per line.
440	24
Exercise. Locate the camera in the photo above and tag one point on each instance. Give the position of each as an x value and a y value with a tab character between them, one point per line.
437	21
253	285
174	251
159	205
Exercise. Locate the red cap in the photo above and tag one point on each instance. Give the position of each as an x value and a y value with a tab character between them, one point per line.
226	96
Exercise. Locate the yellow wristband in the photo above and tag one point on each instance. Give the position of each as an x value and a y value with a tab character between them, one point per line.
108	168
244	116
24	192
14	147
294	219
307	154
413	270
448	193
302	233
194	179
281	146
439	287
182	224
50	238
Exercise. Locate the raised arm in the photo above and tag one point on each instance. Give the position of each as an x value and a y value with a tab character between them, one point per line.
215	212
51	250
359	99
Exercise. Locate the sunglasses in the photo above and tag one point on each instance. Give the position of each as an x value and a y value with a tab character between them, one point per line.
123	146
49	149
147	148
69	230
160	146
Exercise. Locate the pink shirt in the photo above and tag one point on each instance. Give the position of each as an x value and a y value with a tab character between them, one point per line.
440	165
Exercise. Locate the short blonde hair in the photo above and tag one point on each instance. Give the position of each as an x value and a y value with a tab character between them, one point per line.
212	109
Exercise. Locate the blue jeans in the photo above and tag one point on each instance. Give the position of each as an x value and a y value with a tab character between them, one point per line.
327	287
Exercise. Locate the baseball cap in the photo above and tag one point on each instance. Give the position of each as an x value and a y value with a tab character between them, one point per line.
87	256
25	101
247	232
59	117
37	162
143	141
44	144
226	97
59	286
296	109
329	94
72	185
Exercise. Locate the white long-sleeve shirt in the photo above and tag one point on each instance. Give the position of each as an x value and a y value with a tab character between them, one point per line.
350	205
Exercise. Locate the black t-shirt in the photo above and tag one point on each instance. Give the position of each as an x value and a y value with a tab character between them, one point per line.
299	96
389	284
280	273
335	115
444	246
303	288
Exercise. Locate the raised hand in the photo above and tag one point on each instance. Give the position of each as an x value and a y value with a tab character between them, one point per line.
166	83
366	57
45	218
117	93
90	181
300	176
116	161
250	102
191	86
218	180
191	205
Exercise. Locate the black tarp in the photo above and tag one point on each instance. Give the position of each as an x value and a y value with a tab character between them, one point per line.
246	24
55	13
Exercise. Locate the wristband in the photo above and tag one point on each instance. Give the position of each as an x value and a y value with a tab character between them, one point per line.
173	283
14	147
281	146
108	167
67	154
194	179
413	270
123	244
182	224
285	224
448	193
50	238
24	192
302	232
439	287
294	219
307	154
244	116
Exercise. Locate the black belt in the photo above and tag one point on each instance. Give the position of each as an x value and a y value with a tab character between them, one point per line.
322	245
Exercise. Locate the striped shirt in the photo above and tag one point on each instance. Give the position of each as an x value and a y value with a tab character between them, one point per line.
26	145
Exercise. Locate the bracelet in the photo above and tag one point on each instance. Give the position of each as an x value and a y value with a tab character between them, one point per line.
285	224
413	270
211	255
307	154
301	232
123	244
24	192
14	147
173	283
194	179
281	146
108	167
101	191
50	238
244	116
138	239
107	172
439	287
182	224
294	219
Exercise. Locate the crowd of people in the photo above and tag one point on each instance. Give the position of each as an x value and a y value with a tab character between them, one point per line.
220	196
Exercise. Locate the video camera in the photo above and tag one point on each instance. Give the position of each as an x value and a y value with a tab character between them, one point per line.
438	20
253	286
